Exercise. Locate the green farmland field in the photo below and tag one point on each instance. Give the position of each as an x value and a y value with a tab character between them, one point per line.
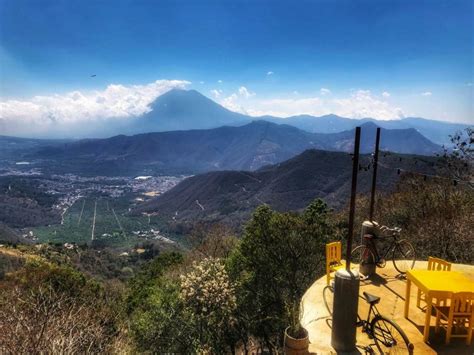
113	225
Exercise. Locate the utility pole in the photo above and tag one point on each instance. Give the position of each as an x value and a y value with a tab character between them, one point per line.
346	282
355	169
374	176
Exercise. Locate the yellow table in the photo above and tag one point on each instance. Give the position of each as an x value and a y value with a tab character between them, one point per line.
435	281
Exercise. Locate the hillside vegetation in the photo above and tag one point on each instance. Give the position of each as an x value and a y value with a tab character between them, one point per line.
231	196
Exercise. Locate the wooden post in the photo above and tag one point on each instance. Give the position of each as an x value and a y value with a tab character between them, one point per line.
374	176
355	168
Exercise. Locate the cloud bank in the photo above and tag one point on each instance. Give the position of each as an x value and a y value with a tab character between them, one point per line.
77	108
84	113
359	104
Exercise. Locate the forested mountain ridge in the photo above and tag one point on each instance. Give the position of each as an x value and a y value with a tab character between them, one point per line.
287	186
247	147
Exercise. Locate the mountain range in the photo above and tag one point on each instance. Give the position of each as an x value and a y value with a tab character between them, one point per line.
287	186
188	109
436	131
247	147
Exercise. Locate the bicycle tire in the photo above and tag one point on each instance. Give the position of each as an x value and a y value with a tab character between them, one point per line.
389	337
360	254
404	256
328	298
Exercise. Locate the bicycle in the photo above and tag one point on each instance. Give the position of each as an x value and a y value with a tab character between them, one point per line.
388	336
403	252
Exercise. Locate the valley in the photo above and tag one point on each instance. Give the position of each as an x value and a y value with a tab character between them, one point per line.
49	208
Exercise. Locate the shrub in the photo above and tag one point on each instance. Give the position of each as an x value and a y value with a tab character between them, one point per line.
209	299
51	309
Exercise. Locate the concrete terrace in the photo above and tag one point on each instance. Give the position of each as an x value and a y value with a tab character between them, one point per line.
391	289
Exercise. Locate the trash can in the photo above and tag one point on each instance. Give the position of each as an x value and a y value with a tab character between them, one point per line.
344	317
369	229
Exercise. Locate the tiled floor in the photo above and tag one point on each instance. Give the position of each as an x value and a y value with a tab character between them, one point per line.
392	291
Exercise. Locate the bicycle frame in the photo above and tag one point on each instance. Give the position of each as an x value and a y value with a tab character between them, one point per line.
373	247
366	323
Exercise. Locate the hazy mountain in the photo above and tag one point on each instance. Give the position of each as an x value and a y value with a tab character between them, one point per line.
436	131
405	141
289	185
184	110
322	124
15	148
247	147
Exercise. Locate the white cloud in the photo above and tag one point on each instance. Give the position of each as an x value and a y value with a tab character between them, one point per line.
201	82
270	73
216	93
324	91
118	102
426	93
358	104
245	93
238	100
286	107
386	94
362	103
219	81
231	103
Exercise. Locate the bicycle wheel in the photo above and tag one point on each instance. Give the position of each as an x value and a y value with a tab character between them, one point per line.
328	298
362	255
404	256
389	337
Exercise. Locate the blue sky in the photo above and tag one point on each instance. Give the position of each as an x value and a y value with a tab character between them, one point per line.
356	58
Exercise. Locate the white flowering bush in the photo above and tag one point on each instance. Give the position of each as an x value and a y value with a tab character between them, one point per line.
207	291
209	297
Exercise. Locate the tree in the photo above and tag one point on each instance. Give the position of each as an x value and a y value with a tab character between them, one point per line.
280	256
155	309
458	160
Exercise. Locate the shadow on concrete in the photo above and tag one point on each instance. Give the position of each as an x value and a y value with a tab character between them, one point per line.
382	281
436	341
418	326
376	280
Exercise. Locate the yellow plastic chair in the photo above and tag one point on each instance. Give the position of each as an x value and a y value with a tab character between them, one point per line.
433	264
333	259
460	315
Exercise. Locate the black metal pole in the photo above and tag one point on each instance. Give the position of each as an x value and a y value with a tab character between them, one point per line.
355	168
374	176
